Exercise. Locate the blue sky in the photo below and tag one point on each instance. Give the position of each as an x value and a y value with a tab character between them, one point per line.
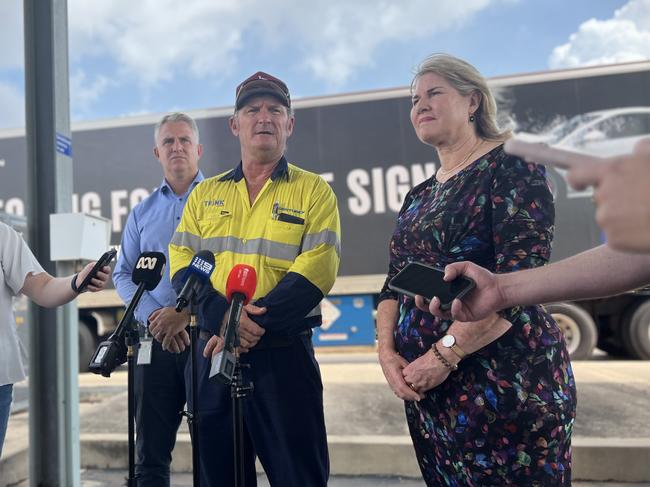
151	56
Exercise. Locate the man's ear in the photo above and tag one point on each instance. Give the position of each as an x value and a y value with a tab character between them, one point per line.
290	124
234	125
156	152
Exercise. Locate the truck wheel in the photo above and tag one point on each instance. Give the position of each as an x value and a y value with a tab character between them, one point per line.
578	327
636	332
87	346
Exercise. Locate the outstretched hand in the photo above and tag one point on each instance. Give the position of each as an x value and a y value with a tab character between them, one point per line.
620	195
98	282
479	303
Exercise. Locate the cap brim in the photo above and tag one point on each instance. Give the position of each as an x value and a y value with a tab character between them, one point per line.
259	91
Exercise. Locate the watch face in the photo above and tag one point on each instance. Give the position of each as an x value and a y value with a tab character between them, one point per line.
448	341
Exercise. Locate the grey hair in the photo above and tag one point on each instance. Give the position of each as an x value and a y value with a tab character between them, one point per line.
176	117
466	79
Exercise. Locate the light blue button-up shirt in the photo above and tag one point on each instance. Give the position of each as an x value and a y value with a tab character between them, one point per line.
149	228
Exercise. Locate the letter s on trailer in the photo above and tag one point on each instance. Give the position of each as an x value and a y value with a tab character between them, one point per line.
365	147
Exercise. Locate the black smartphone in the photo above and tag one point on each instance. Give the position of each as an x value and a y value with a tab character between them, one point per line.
427	281
104	260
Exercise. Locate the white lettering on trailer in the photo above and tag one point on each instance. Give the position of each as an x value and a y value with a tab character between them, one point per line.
13	206
361	203
388	186
328	177
118	210
137	195
91	203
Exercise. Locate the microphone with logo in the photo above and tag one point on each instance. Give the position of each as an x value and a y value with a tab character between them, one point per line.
196	275
240	288
112	352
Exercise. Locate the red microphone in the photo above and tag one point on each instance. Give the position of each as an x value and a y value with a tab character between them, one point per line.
240	288
241	280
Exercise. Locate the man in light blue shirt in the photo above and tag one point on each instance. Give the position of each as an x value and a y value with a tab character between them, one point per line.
159	377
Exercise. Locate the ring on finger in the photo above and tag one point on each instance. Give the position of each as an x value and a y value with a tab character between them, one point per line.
412	386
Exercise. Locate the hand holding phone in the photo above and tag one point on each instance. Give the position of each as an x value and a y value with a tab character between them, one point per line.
103	261
542	153
420	279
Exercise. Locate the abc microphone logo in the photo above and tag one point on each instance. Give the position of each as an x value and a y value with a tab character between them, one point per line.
147	263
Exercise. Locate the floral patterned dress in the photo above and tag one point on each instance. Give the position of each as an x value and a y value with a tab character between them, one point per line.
505	416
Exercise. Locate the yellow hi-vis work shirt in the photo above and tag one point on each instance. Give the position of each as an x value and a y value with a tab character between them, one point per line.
293	226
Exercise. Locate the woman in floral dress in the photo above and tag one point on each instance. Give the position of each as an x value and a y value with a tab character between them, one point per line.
492	402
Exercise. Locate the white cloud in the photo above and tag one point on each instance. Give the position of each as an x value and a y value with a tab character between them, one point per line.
342	37
625	37
155	40
13	107
12	53
84	92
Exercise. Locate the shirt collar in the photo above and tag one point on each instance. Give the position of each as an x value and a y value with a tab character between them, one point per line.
165	188
281	171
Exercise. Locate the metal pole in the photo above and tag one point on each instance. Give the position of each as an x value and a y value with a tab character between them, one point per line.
53	415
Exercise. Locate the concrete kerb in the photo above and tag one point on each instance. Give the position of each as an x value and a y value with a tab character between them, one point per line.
597	459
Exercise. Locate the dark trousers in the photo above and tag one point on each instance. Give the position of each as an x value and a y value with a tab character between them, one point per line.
284	423
159	400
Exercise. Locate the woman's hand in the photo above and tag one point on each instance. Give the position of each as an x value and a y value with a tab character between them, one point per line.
98	282
392	364
425	373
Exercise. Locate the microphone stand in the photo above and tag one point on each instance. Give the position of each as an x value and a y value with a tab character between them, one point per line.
132	339
238	392
193	413
228	369
109	355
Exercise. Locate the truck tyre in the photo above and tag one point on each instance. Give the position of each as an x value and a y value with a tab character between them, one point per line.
636	332
579	329
87	346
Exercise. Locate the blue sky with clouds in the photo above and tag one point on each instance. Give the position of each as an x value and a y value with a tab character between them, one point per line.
150	56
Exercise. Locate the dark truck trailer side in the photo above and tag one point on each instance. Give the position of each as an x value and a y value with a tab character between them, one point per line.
364	146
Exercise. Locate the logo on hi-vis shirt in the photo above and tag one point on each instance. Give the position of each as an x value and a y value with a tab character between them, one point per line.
284	209
208	203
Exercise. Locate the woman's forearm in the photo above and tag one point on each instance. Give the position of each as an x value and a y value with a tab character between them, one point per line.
48	291
473	336
387	312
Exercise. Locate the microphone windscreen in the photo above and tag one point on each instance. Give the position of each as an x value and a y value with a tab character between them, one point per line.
202	265
243	280
149	269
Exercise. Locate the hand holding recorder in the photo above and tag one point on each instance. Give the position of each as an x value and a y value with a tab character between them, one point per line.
417	279
95	276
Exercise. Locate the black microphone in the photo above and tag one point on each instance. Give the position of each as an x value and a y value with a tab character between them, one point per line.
112	352
196	275
240	288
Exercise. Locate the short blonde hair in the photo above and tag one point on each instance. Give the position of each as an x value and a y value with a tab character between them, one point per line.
466	79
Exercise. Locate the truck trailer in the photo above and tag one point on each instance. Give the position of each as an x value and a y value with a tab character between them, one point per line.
364	146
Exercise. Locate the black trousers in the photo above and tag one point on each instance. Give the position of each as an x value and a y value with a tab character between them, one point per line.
159	401
284	423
